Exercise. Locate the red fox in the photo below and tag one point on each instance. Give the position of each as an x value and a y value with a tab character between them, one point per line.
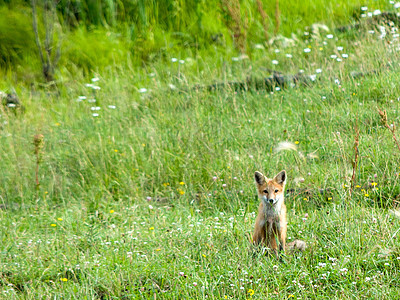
271	225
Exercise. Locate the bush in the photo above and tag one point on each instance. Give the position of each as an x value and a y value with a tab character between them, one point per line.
16	35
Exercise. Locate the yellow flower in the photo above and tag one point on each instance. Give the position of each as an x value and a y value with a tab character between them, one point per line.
59	219
330	198
64	279
112	211
151	228
181	183
225	297
366	195
144	145
181	192
158	249
354	94
115	150
251	292
374	184
291	296
165	184
320	48
296	142
204	255
358	186
53	225
58	124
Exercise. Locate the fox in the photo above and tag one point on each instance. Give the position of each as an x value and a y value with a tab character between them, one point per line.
271	223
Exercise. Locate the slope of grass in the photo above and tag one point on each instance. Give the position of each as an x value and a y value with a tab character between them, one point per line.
146	184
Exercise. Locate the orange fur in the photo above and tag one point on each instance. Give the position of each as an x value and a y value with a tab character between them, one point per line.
271	224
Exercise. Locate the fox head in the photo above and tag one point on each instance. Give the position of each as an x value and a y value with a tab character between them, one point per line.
271	191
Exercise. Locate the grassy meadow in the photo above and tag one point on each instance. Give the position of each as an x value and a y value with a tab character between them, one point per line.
146	178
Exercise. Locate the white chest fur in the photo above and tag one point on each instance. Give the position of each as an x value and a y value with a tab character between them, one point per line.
271	214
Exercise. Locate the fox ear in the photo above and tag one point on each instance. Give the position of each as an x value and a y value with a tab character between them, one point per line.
281	177
259	177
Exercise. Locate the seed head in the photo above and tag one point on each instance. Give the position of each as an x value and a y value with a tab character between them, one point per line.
383	115
38	142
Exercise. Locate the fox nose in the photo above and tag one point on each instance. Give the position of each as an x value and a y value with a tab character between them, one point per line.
271	201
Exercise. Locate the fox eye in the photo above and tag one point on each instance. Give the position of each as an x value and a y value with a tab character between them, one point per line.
265	191
276	191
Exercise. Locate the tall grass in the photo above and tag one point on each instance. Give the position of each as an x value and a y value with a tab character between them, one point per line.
148	30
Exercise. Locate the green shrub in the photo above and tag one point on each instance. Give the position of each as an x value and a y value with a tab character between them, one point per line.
16	35
93	49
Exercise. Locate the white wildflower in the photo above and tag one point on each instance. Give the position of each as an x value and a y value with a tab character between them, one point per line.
377	12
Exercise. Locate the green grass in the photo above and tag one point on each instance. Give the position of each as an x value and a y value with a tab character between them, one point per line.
155	198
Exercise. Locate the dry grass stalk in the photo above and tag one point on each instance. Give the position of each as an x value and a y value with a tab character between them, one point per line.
235	23
264	19
392	127
277	17
38	142
356	155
